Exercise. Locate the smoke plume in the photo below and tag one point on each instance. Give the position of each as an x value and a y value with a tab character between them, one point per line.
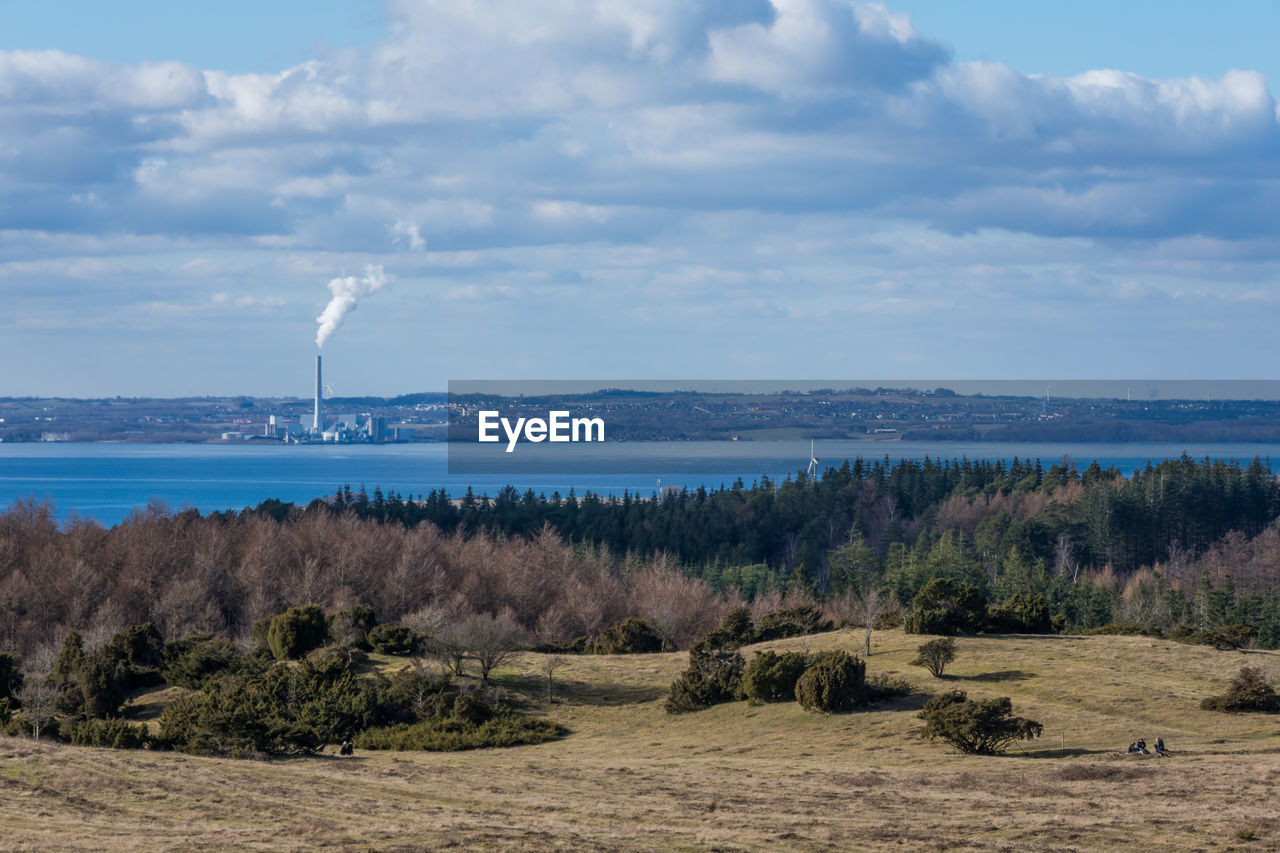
347	291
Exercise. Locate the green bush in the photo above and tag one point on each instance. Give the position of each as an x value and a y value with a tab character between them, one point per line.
792	622
412	694
296	631
67	668
392	639
1124	629
191	661
104	681
10	675
736	628
882	687
714	676
935	655
943	606
111	734
351	627
889	621
1021	614
771	677
504	728
632	636
1226	638
139	646
258	637
1249	691
20	726
835	681
419	710
289	709
980	727
6	711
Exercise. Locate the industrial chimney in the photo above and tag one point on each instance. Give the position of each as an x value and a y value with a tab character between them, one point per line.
317	425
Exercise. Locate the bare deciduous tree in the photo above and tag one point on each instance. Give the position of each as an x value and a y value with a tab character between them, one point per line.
548	667
866	608
491	640
39	701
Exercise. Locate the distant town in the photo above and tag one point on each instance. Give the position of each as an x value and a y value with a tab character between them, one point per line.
879	414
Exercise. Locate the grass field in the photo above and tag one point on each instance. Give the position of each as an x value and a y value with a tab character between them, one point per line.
735	777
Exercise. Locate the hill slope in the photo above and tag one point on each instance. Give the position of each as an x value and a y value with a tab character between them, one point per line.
731	778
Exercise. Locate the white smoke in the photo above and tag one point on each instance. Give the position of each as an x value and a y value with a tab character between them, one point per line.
347	291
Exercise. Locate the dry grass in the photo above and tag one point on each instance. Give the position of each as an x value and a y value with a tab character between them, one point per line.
735	777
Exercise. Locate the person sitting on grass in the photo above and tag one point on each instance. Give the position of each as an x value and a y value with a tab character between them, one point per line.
1160	749
1132	750
1142	746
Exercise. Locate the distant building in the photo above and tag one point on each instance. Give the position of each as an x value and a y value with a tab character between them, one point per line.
404	433
375	428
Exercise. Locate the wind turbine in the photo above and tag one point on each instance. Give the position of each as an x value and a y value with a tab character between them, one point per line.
812	471
328	390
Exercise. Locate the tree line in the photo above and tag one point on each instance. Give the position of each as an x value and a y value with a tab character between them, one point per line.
1179	542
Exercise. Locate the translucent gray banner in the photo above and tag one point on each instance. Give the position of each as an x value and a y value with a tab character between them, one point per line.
653	427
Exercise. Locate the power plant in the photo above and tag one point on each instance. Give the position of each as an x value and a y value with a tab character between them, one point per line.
345	428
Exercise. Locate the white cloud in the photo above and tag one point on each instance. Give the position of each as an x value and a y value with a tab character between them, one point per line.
760	151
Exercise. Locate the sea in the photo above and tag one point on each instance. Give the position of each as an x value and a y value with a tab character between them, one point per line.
106	482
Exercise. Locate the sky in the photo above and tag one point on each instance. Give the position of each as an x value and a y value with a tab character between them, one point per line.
661	189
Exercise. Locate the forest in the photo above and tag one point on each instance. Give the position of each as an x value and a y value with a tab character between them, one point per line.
1183	542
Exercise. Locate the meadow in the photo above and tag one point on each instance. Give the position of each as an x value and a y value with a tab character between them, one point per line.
734	777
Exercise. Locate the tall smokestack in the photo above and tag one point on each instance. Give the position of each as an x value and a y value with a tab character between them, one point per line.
317	425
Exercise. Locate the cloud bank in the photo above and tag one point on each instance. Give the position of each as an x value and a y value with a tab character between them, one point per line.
815	161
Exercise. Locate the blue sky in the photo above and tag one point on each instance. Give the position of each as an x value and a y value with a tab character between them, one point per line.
651	188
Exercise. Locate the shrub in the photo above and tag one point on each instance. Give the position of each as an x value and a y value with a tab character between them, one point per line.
104	681
835	681
632	636
979	727
1021	614
413	694
771	677
1249	691
943	606
890	620
714	676
882	687
504	728
191	661
351	627
10	675
935	655
139	646
296	631
288	709
792	622
736	628
22	725
258	637
6	711
111	734
392	639
1125	629
420	710
70	659
1237	636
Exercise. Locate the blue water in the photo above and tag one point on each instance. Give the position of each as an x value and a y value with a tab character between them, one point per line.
107	481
